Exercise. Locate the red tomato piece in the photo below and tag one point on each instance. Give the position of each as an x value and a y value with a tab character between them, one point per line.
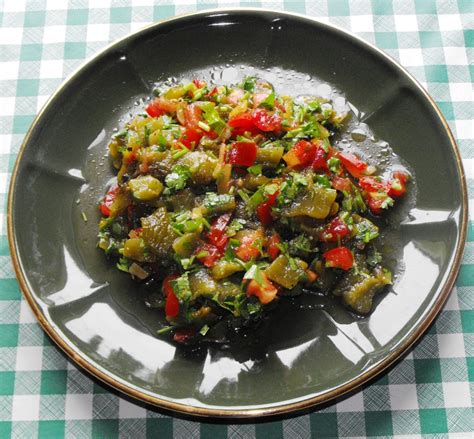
171	305
319	161
172	302
248	249
184	334
198	83
264	210
398	184
243	153
265	121
335	230
211	254
378	192
192	116
213	92
243	122
266	292
109	199
160	106
377	201
341	184
273	248
154	110
301	154
217	234
373	184
339	257
166	286
353	164
191	137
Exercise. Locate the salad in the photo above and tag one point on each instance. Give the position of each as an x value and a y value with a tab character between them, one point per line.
229	198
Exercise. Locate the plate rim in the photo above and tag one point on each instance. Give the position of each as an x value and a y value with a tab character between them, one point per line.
275	408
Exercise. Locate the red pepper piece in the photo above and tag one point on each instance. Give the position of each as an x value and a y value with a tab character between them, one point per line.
109	199
264	210
184	334
265	121
341	184
160	106
217	235
243	153
248	249
319	161
172	302
191	137
339	257
398	184
353	164
241	123
335	230
273	248
266	291
211	254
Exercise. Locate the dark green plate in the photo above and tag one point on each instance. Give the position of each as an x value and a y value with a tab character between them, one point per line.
99	317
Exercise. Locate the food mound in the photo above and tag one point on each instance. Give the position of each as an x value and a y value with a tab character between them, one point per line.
228	199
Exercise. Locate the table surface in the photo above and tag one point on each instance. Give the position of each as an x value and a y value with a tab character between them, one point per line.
43	394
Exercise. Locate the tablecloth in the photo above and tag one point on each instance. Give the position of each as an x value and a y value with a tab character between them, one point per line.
42	394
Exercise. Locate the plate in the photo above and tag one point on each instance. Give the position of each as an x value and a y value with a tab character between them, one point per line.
316	352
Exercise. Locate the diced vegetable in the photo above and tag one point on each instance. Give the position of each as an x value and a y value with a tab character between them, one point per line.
243	153
114	202
360	296
158	233
223	269
273	246
266	121
264	290
354	165
270	156
339	257
251	242
315	202
184	246
335	230
216	204
237	194
286	272
202	284
301	154
145	187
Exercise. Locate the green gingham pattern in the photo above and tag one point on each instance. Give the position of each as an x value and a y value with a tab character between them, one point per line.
43	394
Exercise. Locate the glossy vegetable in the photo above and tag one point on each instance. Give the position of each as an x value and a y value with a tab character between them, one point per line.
264	290
243	153
339	257
172	303
285	272
230	198
158	233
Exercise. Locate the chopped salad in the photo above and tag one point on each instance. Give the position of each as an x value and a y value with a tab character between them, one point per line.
229	198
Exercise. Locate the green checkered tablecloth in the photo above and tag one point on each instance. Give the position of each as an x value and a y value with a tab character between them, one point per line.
43	394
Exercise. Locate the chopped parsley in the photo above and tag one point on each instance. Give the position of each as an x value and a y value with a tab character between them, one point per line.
177	179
